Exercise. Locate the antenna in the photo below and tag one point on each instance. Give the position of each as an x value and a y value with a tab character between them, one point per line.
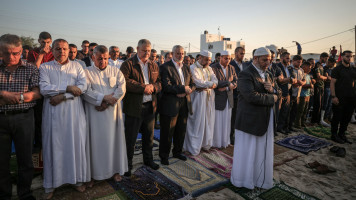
219	32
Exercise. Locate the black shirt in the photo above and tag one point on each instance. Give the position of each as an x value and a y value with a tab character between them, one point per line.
345	81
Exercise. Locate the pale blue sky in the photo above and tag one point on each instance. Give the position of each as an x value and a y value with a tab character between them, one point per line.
167	23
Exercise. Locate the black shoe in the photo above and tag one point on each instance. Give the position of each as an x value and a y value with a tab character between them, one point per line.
128	173
152	165
30	198
292	129
287	131
344	138
180	157
164	162
337	139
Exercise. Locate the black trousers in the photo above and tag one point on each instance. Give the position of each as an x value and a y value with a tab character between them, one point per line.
318	99
173	127
294	101
18	128
38	123
145	124
283	117
233	119
342	114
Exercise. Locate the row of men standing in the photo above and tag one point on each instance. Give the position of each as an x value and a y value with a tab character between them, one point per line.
70	154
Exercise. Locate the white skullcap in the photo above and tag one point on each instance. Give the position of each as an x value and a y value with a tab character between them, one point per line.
262	51
225	53
206	53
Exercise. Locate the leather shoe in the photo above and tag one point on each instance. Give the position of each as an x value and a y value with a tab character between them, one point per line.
152	165
180	157
337	139
344	138
292	129
164	162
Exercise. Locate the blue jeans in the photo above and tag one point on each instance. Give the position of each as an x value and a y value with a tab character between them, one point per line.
327	102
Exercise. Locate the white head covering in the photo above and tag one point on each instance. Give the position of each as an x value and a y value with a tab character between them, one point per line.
206	53
225	53
262	51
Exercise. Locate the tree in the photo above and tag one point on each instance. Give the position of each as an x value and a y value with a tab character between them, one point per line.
29	41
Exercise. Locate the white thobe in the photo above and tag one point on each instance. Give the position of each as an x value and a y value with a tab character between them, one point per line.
200	125
63	126
82	63
116	63
106	128
253	157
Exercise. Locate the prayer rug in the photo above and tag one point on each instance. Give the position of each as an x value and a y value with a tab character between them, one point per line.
319	131
303	143
138	146
229	150
192	176
214	160
149	184
279	191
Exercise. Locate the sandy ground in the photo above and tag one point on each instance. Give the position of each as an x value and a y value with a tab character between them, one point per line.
289	168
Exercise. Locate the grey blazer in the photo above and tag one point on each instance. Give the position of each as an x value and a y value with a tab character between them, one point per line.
254	102
227	95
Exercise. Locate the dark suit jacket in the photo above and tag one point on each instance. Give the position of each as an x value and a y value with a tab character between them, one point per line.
237	71
171	86
254	102
284	87
87	61
135	85
222	97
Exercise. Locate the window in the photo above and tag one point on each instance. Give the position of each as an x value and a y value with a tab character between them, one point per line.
210	46
228	46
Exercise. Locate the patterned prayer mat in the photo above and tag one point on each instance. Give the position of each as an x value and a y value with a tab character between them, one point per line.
149	184
114	196
319	131
229	150
138	146
192	176
303	143
215	160
279	191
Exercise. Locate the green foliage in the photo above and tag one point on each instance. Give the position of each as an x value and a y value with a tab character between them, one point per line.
29	41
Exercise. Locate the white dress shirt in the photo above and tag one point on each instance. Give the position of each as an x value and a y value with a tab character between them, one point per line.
179	69
144	69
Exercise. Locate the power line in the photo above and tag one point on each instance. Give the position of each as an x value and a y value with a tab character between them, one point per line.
323	37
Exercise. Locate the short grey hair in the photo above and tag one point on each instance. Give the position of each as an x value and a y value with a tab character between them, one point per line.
113	47
143	42
9	40
177	47
100	49
58	41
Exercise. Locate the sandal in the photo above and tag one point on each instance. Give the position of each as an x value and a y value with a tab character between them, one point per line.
334	149
117	178
313	165
323	169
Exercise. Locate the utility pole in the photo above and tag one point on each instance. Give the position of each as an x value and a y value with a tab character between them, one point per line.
355	43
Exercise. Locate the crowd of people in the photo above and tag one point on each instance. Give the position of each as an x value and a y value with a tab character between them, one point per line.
84	108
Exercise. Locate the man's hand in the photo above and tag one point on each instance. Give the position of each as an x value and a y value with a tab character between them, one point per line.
10	97
55	100
232	86
45	50
311	86
188	90
275	97
268	86
293	80
299	82
335	101
110	99
74	90
214	86
181	95
102	107
149	89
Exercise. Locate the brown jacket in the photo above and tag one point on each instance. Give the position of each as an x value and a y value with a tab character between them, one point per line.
227	95
135	85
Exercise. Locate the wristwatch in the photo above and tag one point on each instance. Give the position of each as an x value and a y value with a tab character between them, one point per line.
21	98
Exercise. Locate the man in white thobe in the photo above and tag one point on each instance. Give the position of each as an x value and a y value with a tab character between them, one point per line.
224	100
253	150
114	60
200	125
62	81
106	88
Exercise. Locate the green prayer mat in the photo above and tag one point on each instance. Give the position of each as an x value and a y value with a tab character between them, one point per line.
279	191
319	131
119	195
